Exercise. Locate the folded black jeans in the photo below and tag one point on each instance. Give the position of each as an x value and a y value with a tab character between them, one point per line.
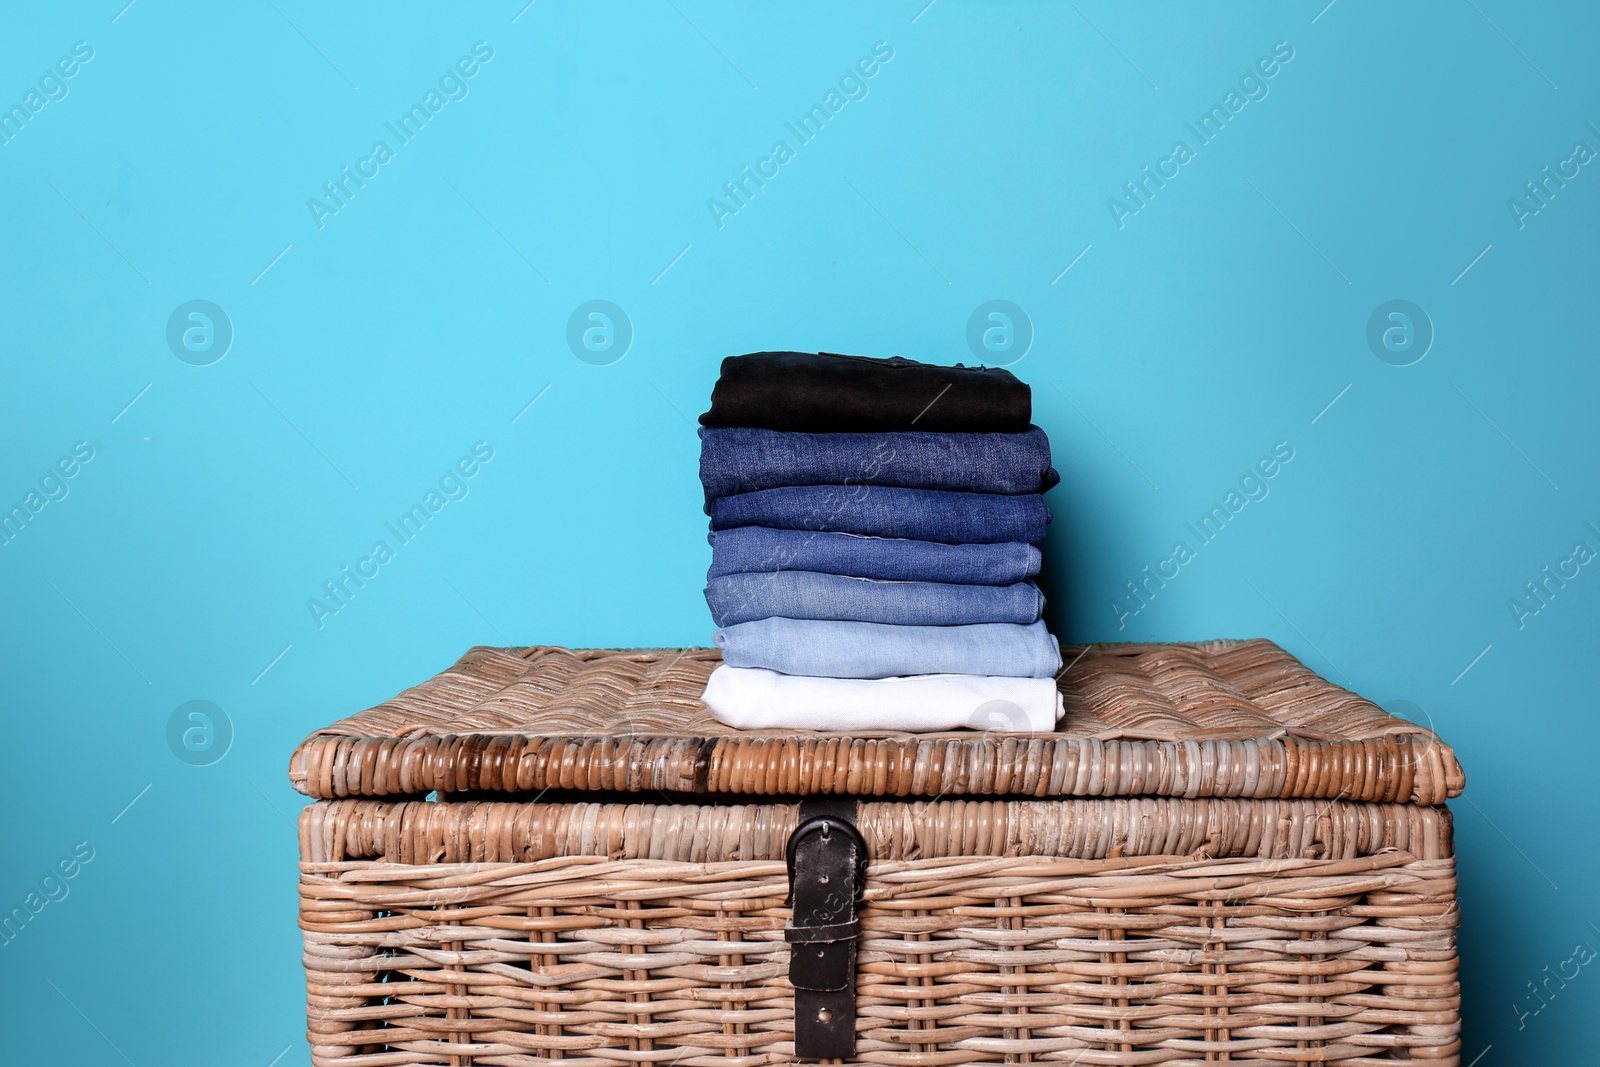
819	392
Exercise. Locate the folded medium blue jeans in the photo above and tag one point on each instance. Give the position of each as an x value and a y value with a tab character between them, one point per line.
747	549
744	459
876	650
882	511
736	598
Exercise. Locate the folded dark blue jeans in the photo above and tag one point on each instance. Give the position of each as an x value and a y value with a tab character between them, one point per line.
883	511
737	598
746	549
744	459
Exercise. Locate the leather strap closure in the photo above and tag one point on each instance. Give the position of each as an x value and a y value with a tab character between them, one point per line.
827	866
807	935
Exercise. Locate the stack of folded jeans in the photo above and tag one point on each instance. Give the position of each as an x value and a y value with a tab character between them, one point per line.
874	526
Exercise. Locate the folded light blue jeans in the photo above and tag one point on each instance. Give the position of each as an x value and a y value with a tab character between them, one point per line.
876	650
760	548
883	511
736	598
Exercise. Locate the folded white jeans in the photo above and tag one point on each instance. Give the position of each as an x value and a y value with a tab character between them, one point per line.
753	698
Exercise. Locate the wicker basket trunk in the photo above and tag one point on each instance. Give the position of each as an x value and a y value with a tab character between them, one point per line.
1218	857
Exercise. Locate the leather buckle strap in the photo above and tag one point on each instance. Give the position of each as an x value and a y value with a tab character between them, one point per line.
827	859
807	935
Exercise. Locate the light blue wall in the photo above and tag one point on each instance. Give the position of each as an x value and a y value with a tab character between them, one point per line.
371	352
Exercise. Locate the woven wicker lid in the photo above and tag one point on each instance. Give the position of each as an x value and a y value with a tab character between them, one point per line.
1217	719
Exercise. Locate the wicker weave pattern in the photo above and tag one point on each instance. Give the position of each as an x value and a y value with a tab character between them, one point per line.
416	832
596	935
1218	719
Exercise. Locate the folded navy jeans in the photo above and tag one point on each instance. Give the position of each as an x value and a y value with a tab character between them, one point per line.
885	511
744	459
737	598
876	650
746	549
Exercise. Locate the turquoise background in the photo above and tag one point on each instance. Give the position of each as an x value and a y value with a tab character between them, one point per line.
1225	316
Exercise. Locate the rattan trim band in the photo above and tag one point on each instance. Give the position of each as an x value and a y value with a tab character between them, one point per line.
415	832
1403	768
